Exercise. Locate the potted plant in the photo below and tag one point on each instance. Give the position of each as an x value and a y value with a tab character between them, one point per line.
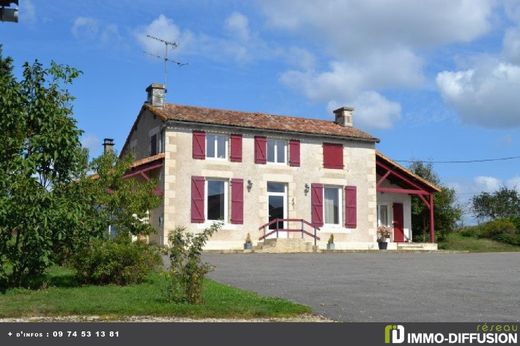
383	237
330	243
248	245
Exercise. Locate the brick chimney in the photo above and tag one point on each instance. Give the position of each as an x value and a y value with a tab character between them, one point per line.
108	145
344	116
156	93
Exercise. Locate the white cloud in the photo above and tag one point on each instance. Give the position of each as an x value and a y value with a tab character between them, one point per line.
85	28
511	45
92	143
238	25
514	183
163	28
487	184
27	12
486	95
373	47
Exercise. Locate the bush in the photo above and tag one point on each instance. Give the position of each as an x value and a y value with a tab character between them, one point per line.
187	271
471	232
496	229
119	261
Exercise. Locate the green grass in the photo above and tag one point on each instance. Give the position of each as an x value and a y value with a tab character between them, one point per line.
61	298
457	242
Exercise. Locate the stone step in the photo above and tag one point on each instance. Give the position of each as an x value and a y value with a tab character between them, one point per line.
284	245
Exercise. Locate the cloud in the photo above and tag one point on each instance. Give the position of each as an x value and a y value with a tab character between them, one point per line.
97	33
487	184
372	48
85	28
27	12
514	183
485	95
238	25
92	143
163	28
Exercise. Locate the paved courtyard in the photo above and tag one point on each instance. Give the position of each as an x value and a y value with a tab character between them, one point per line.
384	287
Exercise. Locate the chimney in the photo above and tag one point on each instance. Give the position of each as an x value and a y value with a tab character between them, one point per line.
156	93
108	145
344	116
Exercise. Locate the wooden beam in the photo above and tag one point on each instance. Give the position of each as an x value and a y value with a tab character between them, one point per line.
425	201
383	178
405	191
432	220
399	176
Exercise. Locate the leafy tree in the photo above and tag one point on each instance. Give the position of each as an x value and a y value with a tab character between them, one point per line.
504	203
446	211
40	152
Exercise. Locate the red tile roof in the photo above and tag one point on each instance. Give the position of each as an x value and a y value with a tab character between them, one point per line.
260	121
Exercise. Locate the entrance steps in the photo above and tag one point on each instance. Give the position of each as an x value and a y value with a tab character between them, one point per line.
284	245
417	246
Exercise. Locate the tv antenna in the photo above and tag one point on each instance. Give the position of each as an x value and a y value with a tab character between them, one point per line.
165	58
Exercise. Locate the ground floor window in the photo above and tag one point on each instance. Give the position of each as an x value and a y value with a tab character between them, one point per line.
383	215
216	200
332	205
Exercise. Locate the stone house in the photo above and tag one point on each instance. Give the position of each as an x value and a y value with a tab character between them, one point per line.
294	180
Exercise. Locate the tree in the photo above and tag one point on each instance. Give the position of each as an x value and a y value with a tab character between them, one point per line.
40	152
446	211
504	203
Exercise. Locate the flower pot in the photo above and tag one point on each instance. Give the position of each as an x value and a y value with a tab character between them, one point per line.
382	245
331	246
248	246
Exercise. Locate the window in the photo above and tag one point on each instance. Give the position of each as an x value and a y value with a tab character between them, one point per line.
333	155
332	205
153	145
216	146
383	215
216	200
276	151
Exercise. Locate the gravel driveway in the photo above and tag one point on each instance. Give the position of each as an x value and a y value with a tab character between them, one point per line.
384	287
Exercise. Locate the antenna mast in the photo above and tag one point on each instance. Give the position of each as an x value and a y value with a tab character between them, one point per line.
165	57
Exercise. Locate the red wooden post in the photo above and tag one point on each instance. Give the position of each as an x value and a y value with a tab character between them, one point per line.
432	220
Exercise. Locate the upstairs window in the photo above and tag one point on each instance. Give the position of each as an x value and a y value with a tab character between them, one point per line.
276	151
153	145
216	146
333	155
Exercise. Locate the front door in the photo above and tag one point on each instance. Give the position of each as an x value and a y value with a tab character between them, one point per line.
398	222
277	201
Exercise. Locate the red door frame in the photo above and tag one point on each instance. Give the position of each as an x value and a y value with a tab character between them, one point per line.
398	218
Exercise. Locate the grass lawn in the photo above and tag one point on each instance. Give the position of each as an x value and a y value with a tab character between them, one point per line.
457	242
63	297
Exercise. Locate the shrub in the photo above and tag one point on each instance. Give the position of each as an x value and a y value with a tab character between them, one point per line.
496	229
118	261
471	231
516	221
187	271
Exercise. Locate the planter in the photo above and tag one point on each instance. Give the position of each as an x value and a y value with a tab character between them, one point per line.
248	246
382	245
331	246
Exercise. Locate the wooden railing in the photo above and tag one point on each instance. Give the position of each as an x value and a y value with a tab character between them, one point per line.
301	230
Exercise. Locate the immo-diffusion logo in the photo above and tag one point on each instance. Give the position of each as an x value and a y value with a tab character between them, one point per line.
499	333
394	333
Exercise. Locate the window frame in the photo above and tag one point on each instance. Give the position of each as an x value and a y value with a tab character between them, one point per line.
215	143
226	199
339	190
276	142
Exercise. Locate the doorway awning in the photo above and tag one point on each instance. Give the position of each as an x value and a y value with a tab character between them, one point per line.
405	182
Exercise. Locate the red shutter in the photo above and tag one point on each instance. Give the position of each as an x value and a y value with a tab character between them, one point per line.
350	207
260	149
294	153
236	148
199	145
237	201
197	199
333	155
317	204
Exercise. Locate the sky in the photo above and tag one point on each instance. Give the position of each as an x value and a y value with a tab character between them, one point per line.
434	80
